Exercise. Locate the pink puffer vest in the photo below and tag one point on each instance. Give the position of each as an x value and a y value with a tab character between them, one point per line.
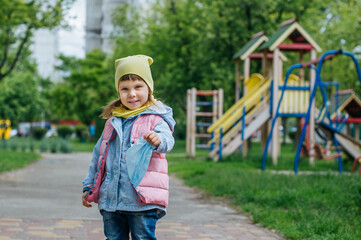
155	184
154	187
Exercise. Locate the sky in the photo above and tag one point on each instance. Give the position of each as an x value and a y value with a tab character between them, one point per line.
72	42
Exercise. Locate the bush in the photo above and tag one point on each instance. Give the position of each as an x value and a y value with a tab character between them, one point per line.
64	131
23	146
3	144
13	146
54	146
65	146
39	133
31	146
82	132
43	146
292	134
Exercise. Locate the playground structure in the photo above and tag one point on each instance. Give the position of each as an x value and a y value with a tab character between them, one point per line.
271	52
5	129
203	109
347	101
261	105
324	121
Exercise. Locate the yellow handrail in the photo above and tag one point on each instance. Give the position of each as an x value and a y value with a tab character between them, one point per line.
248	102
231	111
237	126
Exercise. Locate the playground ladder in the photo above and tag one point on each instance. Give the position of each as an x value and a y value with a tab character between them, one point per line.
195	116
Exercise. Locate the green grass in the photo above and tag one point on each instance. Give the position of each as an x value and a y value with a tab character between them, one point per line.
285	160
77	146
18	143
10	160
317	206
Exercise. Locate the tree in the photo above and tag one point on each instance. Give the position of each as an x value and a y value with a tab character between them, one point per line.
20	99
88	84
340	30
192	42
18	20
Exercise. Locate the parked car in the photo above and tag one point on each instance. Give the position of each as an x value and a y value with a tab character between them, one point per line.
13	132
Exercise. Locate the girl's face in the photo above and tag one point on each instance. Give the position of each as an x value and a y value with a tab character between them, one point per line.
133	93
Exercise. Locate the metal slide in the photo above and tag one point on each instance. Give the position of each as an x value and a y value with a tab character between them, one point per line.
349	145
318	84
256	119
234	139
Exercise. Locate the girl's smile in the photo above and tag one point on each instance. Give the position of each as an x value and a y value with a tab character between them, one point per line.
133	93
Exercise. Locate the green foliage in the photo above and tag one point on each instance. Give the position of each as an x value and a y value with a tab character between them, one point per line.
10	160
78	146
192	42
31	146
292	135
88	85
65	146
18	20
4	144
285	160
24	146
13	145
43	146
82	131
39	132
20	99
54	146
64	131
59	145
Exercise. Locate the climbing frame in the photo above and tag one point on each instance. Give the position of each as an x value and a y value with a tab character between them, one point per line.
203	109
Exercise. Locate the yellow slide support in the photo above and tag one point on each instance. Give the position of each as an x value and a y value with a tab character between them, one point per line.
238	125
5	129
258	90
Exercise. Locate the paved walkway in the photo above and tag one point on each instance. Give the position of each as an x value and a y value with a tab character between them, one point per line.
43	201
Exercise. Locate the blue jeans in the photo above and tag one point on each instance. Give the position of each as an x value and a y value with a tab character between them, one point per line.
141	225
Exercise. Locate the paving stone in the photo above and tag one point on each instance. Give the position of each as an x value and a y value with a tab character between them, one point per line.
43	215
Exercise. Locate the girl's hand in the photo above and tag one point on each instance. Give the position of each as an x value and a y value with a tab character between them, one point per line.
85	202
153	138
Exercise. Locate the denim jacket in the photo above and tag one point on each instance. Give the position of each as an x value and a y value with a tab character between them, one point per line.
116	191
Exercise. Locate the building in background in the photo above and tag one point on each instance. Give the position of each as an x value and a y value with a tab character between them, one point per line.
45	49
91	27
49	44
99	25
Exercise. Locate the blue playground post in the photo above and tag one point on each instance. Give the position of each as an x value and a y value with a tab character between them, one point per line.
284	87
319	83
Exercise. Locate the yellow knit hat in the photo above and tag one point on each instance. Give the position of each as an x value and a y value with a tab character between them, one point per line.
137	64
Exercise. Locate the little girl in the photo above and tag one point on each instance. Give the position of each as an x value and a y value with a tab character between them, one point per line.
128	174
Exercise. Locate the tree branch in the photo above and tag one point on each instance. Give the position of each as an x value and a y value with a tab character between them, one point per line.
6	48
6	43
249	17
279	15
18	53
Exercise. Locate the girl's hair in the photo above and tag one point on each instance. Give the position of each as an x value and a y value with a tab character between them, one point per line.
108	109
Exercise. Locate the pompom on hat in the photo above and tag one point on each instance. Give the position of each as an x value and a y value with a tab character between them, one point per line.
138	65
